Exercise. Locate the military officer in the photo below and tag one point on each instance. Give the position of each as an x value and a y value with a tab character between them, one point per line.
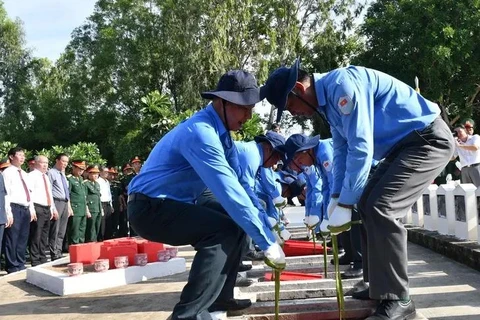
94	205
78	203
136	164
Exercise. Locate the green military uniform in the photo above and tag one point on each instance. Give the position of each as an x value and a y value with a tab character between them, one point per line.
79	206
95	207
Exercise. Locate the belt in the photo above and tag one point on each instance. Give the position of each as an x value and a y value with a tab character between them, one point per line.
41	205
472	165
19	205
138	197
58	199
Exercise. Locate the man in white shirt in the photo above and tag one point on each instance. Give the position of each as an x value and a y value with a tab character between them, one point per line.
106	227
18	188
44	208
468	150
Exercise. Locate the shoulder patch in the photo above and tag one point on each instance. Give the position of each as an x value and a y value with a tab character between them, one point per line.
345	104
327	166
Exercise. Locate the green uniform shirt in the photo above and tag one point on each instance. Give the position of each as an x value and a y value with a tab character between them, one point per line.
125	181
77	195
93	196
116	188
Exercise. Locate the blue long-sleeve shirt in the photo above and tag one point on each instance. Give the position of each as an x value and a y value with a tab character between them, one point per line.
320	180
268	188
192	157
368	112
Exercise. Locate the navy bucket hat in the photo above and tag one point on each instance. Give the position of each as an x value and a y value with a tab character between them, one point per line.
236	86
297	143
275	139
279	84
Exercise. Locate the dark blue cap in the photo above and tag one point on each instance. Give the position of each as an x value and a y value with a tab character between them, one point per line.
236	86
298	142
279	84
275	139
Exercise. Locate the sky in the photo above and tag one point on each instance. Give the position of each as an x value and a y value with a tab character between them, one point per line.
48	24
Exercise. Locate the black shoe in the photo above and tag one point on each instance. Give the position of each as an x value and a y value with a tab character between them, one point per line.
343	261
230	305
243	282
362	294
244	267
353	272
255	256
394	310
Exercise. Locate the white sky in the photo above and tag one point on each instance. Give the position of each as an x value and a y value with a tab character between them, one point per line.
48	24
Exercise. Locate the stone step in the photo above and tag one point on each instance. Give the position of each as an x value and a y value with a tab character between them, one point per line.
317	305
305	268
300	285
316	260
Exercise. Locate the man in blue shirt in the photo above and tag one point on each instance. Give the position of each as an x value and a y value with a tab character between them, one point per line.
196	154
314	157
372	116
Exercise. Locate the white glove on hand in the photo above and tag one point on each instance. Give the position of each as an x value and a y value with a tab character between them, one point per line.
273	222
311	221
323	226
285	234
275	257
331	206
280	202
341	220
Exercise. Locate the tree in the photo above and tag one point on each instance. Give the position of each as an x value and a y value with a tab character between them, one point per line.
438	41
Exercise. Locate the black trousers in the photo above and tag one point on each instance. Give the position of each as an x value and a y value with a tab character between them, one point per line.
215	237
16	238
39	231
352	241
106	227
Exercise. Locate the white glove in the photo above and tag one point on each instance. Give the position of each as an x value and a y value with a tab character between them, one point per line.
275	254
341	220
458	165
331	206
285	234
280	202
323	226
273	222
311	221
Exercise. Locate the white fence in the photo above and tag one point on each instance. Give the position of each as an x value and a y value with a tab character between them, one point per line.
451	209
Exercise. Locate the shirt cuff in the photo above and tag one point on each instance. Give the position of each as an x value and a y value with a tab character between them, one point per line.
349	197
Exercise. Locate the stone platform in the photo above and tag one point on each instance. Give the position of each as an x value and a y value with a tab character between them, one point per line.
43	276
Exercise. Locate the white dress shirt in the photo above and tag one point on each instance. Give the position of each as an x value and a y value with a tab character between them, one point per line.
105	191
39	194
15	188
469	157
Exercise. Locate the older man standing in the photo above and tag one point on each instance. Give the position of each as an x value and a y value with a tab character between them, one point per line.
19	189
61	198
44	208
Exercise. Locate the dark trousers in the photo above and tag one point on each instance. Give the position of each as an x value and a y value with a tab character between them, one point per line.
58	230
16	239
39	231
352	242
2	231
215	237
122	224
207	199
107	226
394	187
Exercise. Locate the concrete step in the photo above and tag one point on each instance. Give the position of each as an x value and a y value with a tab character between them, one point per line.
321	284
324	308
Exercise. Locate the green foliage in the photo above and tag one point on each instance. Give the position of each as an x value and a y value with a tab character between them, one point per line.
438	41
250	129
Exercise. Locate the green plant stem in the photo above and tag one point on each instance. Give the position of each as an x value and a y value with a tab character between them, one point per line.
338	279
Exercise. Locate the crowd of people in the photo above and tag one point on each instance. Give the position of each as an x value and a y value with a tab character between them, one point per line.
44	210
198	187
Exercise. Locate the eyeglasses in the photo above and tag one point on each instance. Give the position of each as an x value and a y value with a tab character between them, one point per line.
468	127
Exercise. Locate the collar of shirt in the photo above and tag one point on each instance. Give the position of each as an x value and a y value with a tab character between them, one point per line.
217	122
320	90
